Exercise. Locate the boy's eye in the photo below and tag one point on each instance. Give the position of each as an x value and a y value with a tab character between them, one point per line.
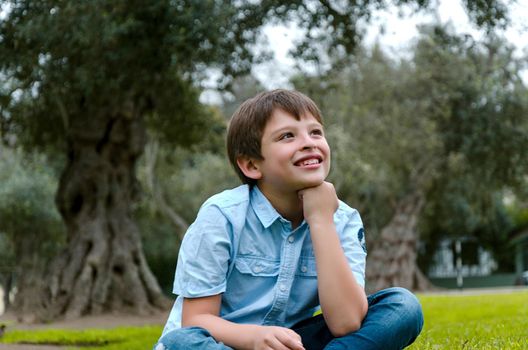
286	135
318	132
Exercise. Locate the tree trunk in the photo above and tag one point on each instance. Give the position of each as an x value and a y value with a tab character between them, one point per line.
392	258
103	268
7	284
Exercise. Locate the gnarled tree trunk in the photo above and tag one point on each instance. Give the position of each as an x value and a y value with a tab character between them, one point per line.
103	268
392	257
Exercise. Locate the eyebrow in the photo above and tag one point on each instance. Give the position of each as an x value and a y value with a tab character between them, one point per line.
290	127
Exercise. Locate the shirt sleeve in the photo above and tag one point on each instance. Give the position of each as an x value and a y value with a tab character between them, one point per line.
352	236
204	255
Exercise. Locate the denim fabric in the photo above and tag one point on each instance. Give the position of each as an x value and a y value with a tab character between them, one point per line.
241	247
191	338
393	322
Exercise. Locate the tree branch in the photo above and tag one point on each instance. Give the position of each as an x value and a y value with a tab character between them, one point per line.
151	152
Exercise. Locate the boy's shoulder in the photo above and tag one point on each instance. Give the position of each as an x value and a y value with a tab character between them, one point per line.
227	206
229	198
345	212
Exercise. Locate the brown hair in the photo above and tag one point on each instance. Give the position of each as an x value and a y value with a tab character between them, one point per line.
247	124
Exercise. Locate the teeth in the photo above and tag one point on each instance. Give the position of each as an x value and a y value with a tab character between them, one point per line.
310	162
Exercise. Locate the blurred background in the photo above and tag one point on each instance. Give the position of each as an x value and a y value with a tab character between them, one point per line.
113	117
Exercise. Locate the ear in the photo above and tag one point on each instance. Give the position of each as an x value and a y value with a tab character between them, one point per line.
249	167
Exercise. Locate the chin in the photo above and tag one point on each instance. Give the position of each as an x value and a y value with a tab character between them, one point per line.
311	183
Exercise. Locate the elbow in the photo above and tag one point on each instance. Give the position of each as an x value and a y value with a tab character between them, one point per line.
347	325
343	328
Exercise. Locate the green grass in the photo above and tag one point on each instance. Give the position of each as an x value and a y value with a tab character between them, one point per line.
130	338
498	321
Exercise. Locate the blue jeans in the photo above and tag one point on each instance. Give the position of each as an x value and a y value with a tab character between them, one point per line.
394	320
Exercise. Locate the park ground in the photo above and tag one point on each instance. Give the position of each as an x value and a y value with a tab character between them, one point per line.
89	322
109	322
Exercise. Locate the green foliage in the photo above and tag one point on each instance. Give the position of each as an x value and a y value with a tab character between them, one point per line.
186	178
30	225
479	108
241	89
335	28
381	143
68	65
517	210
488	14
198	177
479	101
449	123
491	321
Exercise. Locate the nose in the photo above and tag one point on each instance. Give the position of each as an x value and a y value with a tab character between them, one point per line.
308	143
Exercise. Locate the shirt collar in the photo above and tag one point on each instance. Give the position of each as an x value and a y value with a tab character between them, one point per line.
263	208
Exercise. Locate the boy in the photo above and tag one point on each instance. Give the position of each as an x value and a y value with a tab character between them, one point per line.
262	259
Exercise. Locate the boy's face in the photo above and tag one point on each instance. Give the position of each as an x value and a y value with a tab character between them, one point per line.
296	154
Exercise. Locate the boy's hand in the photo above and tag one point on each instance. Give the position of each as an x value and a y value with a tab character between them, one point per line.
276	338
319	203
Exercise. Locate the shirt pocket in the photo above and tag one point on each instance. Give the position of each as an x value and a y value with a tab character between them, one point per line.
307	267
257	266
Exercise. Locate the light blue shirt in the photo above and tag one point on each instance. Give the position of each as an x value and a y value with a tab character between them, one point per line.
239	245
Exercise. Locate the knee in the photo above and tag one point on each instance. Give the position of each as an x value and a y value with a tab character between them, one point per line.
409	309
182	338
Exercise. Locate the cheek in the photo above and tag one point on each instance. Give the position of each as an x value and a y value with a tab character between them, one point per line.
326	149
328	159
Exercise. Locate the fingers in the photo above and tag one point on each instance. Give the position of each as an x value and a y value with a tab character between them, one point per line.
277	338
276	344
291	340
294	335
319	202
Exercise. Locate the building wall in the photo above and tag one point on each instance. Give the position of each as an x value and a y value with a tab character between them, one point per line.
476	261
495	280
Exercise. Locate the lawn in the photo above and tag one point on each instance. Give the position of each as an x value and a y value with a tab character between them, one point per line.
489	321
130	338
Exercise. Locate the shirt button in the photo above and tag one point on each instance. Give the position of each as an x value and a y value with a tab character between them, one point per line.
282	287
304	269
257	269
291	239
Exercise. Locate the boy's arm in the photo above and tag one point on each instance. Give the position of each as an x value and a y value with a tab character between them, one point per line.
203	312
342	299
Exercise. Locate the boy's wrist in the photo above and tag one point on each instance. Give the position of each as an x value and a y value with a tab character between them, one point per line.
321	224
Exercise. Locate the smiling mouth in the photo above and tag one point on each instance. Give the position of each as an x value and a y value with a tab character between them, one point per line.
306	162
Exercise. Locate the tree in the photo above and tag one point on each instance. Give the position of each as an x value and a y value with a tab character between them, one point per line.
444	128
483	132
334	29
31	231
87	78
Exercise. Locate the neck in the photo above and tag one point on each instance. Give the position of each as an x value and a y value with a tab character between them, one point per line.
288	205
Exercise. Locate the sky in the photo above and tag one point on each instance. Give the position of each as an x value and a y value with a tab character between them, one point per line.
396	39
